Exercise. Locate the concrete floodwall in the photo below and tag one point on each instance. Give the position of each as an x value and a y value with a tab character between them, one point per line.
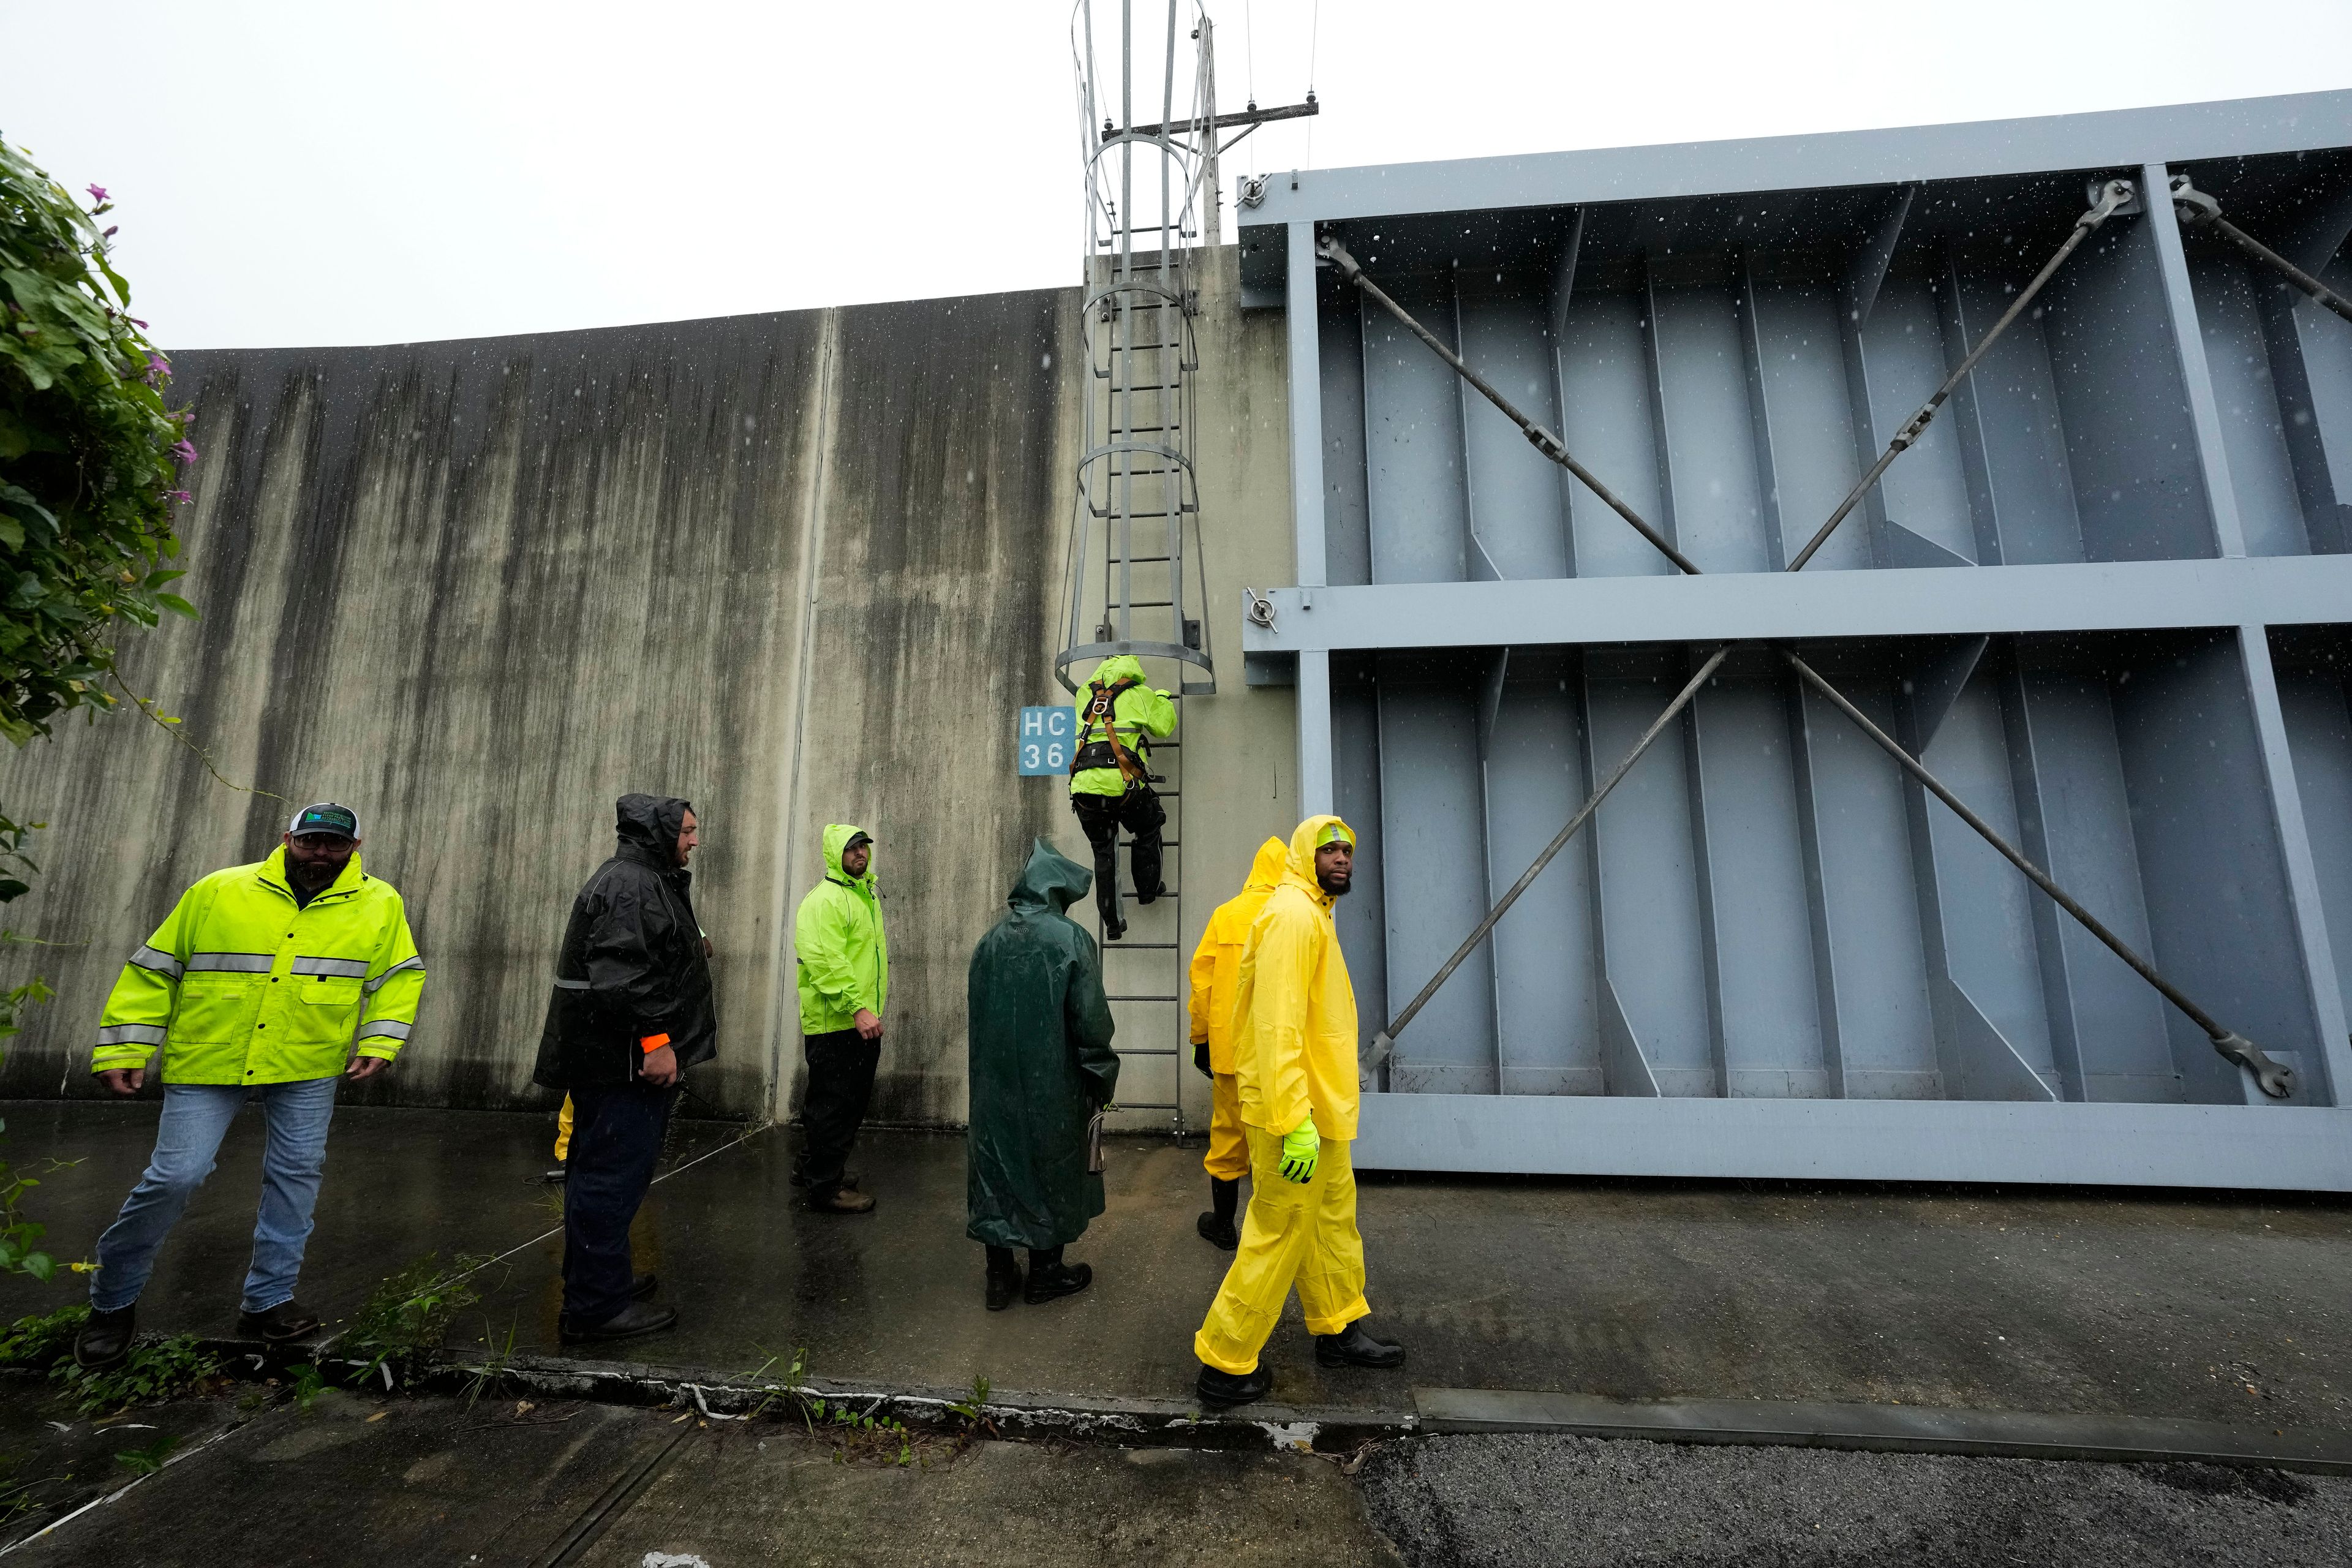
478	589
799	568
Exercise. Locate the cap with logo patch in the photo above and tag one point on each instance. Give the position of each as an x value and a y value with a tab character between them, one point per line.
327	817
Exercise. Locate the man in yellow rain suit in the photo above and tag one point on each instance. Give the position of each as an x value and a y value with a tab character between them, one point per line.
1216	970
1295	1067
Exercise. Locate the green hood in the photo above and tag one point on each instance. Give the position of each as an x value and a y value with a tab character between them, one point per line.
1118	668
837	836
1050	881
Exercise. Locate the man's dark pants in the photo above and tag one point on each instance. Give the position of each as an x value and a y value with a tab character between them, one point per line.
840	1084
1102	815
616	1136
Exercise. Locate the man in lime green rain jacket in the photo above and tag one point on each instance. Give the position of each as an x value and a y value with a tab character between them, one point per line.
844	978
1119	716
273	982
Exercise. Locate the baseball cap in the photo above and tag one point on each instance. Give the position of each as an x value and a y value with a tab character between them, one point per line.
326	817
1336	832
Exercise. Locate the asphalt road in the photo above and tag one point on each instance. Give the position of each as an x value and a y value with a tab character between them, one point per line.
1506	1501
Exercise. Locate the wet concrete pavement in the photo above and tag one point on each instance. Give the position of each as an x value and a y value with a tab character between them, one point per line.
359	1481
2227	1308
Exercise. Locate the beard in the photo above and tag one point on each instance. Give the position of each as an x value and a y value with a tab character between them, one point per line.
1335	883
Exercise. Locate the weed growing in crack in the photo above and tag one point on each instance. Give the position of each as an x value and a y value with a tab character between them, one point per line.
407	1316
155	1369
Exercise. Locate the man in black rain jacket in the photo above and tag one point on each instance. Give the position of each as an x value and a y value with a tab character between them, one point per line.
630	1012
1041	1066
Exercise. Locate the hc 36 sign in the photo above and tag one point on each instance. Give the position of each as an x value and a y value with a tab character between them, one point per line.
1043	742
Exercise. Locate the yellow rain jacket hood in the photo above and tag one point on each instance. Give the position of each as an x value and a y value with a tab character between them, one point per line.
1294	1011
242	985
845	964
1217	962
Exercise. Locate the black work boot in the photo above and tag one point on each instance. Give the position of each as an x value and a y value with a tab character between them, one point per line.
636	1318
280	1325
1217	1224
105	1339
642	1287
1224	1389
1351	1346
1050	1279
1004	1278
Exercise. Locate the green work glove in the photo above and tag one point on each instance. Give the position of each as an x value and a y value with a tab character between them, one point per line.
1302	1146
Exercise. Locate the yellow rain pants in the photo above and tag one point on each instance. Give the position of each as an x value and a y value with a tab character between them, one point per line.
1228	1156
1291	1234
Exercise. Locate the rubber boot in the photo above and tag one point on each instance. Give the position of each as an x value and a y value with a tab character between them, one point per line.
1050	1279
1351	1346
1004	1278
1217	1225
1224	1390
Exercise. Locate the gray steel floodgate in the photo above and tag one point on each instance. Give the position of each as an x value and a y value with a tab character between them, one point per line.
1771	955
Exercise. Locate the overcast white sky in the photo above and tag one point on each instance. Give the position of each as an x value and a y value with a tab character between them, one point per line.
334	172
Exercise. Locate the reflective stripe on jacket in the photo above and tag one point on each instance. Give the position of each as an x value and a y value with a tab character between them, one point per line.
1295	1044
1138	713
240	985
845	962
1217	962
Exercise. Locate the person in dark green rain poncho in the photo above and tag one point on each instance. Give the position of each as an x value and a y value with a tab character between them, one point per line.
1041	1066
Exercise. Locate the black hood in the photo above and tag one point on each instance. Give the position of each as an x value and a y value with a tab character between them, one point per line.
651	822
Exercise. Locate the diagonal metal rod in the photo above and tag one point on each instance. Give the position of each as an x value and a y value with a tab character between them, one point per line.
1545	441
2200	211
2276	1080
1385	1041
2112	197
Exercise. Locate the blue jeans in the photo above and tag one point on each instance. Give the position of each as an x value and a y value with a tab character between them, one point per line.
197	1116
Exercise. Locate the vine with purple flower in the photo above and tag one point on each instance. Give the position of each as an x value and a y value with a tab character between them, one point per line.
91	468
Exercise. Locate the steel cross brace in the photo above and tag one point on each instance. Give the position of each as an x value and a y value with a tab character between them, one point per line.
2200	211
2276	1080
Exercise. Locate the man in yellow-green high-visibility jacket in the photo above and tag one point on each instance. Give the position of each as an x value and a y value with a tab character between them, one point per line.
1119	716
845	982
261	983
1295	1067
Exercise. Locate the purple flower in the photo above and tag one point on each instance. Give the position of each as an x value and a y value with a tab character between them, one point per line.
184	450
98	193
177	495
111	232
158	367
136	323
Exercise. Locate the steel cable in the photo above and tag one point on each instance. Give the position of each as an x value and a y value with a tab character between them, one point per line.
2274	1078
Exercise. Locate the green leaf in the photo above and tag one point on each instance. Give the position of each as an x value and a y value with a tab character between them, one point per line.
12	532
177	606
39	1265
115	279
